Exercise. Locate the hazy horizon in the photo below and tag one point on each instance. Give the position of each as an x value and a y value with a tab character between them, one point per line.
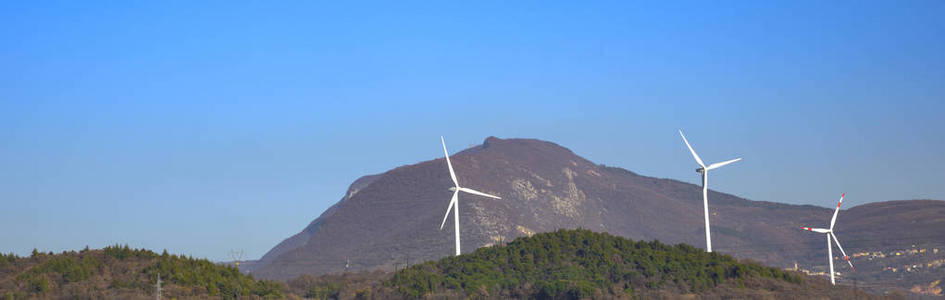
205	127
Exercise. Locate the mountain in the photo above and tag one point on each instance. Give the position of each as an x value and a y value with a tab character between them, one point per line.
392	219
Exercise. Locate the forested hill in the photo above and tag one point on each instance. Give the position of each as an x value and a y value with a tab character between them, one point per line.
119	272
572	264
565	264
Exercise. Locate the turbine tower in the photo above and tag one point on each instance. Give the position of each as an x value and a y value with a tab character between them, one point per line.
705	187
831	235
454	202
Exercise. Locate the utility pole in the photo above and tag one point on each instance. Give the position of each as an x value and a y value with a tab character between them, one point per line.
237	256
158	294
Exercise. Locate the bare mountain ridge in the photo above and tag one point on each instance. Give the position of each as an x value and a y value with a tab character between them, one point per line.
393	218
300	239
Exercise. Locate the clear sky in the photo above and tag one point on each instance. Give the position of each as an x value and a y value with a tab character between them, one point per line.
205	127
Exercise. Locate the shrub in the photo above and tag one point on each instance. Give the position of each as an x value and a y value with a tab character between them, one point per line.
39	284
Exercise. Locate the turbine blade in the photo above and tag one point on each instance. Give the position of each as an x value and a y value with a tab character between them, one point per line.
818	230
452	202
475	192
841	251
720	164
834	219
694	155
448	164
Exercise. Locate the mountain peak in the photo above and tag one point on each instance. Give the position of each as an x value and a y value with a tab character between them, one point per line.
489	140
524	148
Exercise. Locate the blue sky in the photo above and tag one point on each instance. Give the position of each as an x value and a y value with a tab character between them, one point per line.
206	127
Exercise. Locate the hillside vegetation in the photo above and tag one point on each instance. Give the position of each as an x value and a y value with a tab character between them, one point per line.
119	272
580	264
566	264
577	264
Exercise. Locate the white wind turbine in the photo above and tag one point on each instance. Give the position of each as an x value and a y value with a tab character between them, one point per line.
830	235
454	202
705	187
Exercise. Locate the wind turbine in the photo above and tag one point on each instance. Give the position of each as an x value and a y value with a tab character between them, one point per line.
830	235
454	202
705	187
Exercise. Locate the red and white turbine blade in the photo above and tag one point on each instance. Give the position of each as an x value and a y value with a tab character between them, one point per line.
818	230
841	251
448	164
834	219
694	155
449	208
